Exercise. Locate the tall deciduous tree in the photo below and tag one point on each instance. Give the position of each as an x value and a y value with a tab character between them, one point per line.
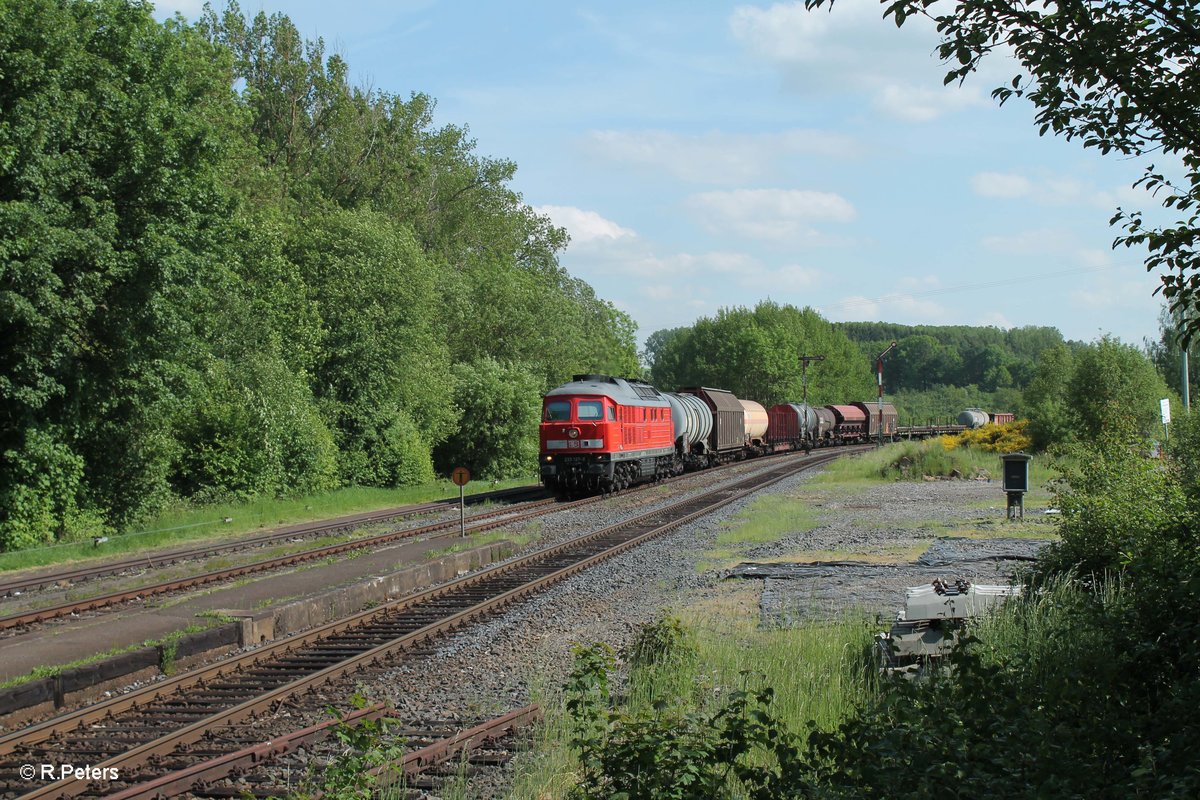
113	226
1120	76
754	353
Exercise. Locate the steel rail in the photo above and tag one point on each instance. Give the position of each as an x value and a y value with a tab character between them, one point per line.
512	514
644	527
197	777
15	586
508	515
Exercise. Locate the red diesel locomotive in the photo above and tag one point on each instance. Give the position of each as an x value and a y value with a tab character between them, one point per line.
600	433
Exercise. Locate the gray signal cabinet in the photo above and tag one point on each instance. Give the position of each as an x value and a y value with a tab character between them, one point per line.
1016	481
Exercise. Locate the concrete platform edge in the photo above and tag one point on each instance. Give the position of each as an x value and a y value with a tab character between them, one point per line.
80	684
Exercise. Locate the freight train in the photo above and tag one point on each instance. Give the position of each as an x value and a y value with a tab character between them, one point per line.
603	434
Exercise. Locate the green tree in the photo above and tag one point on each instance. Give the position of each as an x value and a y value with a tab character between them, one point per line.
115	223
754	353
383	373
1114	389
1047	400
497	436
1167	354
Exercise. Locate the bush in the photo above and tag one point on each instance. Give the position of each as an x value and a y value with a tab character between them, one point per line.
251	428
1008	438
497	434
40	503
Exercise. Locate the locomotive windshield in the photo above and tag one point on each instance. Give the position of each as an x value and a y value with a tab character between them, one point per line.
558	411
590	409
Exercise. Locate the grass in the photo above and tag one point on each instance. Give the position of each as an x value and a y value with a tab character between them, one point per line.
474	540
765	520
817	670
914	460
168	642
226	520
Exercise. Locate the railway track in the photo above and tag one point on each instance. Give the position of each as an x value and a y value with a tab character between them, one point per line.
479	522
484	521
146	734
12	587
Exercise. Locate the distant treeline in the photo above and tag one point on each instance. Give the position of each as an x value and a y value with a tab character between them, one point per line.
1067	390
755	353
225	271
954	355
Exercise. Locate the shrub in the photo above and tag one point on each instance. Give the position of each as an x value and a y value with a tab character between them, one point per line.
1010	437
41	499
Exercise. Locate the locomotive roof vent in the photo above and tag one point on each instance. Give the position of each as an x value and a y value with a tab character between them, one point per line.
645	390
594	378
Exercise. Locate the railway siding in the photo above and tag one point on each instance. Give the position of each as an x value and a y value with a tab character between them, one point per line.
252	626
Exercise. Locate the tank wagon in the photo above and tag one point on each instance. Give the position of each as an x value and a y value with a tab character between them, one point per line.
693	425
601	434
973	418
756	422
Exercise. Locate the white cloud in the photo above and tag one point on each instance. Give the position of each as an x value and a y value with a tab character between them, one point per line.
851	47
189	8
715	157
584	226
893	308
773	214
911	103
1047	189
1036	242
997	319
999	184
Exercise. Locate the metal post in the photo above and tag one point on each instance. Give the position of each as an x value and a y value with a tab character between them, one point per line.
1187	403
462	511
804	381
879	380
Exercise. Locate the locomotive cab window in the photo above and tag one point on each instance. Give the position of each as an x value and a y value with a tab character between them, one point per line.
612	414
558	411
590	409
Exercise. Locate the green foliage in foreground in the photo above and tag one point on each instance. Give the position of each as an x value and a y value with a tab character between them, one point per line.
709	706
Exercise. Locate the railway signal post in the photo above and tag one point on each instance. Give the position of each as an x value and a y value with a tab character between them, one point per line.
461	476
804	362
879	380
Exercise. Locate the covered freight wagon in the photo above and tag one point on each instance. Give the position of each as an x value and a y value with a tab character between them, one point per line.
874	422
729	418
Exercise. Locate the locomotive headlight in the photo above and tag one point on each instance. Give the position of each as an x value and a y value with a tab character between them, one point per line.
549	459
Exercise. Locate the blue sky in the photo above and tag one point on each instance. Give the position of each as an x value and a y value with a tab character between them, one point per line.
705	155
